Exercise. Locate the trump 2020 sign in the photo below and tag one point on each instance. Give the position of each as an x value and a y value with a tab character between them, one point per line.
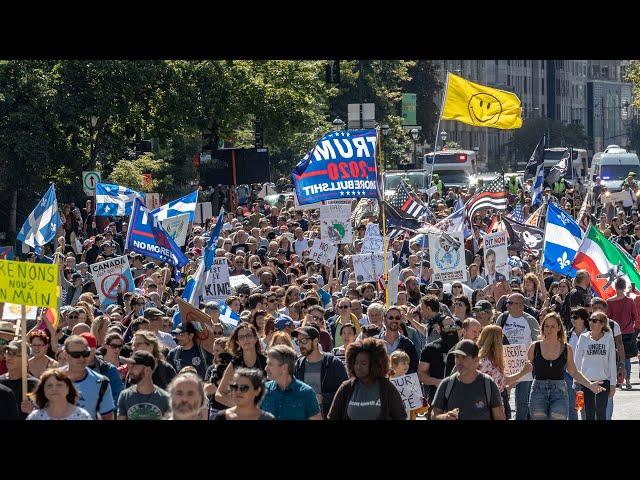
341	165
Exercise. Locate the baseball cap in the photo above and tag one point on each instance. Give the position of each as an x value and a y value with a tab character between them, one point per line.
185	327
284	323
308	331
150	266
91	339
433	286
142	358
75	277
16	347
83	265
482	306
281	250
467	348
152	312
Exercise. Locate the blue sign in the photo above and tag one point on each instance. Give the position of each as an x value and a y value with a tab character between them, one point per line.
341	165
147	237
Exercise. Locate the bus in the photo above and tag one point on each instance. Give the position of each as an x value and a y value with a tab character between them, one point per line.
454	167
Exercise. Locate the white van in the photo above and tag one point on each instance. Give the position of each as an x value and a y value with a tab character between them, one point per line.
614	165
454	167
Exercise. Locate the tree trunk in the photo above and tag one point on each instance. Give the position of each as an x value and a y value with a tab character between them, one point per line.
13	212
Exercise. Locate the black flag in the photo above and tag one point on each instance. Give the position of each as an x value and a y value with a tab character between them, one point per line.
524	238
536	161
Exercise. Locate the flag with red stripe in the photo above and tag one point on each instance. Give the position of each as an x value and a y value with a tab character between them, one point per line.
490	195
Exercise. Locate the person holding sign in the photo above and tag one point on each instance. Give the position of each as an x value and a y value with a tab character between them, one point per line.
550	356
13	378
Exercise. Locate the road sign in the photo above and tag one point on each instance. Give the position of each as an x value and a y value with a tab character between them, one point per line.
89	181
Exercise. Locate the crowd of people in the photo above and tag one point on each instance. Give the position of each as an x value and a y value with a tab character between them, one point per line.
310	342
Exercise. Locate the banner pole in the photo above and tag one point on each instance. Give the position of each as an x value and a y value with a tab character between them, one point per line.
23	353
384	222
435	143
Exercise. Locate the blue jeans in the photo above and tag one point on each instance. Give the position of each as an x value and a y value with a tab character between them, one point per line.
523	390
609	408
548	400
627	369
571	397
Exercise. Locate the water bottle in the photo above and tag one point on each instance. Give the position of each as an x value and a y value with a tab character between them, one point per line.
579	400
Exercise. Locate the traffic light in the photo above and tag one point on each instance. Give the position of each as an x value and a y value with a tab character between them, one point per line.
332	72
258	133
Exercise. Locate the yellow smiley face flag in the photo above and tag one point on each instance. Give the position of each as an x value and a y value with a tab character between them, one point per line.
481	106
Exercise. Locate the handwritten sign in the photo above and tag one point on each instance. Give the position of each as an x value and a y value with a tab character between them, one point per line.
27	283
217	285
515	358
410	390
323	252
237	280
368	267
335	223
372	241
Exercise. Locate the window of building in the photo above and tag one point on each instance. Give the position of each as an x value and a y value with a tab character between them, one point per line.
525	64
542	86
509	80
543	114
525	84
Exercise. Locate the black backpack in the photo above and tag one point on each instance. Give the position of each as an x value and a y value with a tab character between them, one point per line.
487	390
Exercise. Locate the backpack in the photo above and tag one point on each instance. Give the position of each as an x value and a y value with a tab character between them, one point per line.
104	384
487	391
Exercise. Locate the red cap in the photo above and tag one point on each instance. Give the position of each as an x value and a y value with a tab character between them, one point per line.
91	339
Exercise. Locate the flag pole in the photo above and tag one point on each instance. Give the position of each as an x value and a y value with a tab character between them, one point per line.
384	220
435	143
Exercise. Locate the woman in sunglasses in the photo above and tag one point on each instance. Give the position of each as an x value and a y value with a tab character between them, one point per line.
114	343
56	397
247	389
39	361
461	307
246	350
595	357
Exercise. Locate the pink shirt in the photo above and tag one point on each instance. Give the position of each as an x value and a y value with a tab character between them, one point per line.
624	312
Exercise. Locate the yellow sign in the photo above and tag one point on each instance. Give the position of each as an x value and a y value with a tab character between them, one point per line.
27	283
479	105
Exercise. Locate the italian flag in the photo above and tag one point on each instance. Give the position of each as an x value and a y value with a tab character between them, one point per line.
605	263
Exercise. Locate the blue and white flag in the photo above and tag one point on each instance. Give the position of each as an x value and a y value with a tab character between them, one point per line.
147	237
228	315
517	214
40	226
403	258
341	165
186	204
210	251
114	200
454	222
562	239
195	285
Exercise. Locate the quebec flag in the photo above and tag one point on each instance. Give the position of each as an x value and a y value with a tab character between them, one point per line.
186	204
41	225
562	239
114	200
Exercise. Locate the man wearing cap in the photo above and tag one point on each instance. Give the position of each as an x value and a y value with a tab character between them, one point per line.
468	394
483	312
188	353
13	378
99	365
155	315
143	400
320	370
7	333
470	330
73	288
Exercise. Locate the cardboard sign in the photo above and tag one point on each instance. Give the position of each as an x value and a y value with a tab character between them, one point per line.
368	267
515	358
323	252
110	274
152	201
202	321
203	211
496	266
177	228
335	223
11	311
372	241
237	280
394	278
410	390
25	283
217	285
613	197
447	257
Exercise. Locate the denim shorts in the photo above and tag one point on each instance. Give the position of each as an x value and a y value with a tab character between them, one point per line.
548	400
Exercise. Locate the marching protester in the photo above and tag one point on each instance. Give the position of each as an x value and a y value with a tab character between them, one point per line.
247	390
188	399
13	378
56	398
143	400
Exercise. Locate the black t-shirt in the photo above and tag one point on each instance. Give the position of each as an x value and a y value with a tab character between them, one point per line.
8	405
261	363
16	387
434	355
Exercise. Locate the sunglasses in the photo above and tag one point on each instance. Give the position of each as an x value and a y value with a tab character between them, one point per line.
246	337
234	387
509	302
218	332
115	345
272	300
302	341
394	317
72	317
83	354
593	320
280	296
344	307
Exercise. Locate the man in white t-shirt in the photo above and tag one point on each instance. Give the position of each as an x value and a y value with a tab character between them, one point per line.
520	328
300	242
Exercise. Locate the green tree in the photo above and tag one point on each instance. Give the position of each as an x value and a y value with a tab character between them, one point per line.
129	174
424	84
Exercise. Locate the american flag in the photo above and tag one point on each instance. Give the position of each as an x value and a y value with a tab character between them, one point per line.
406	203
517	214
490	195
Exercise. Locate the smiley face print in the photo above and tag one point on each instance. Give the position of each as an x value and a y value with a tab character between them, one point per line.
484	109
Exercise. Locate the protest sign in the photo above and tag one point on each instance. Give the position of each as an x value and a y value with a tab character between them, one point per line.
200	320
368	267
515	358
335	223
11	311
372	240
110	274
323	252
613	197
177	228
217	285
237	280
410	390
341	165
152	200
203	211
394	278
447	257
26	283
496	266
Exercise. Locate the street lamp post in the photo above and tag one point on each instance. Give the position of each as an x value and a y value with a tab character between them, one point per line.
94	122
414	136
337	124
384	129
443	137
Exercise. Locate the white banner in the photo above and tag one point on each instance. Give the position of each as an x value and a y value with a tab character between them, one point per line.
613	197
372	241
394	278
13	311
515	358
335	223
177	228
368	267
496	266
203	211
108	275
217	285
237	280
323	252
410	390
447	257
